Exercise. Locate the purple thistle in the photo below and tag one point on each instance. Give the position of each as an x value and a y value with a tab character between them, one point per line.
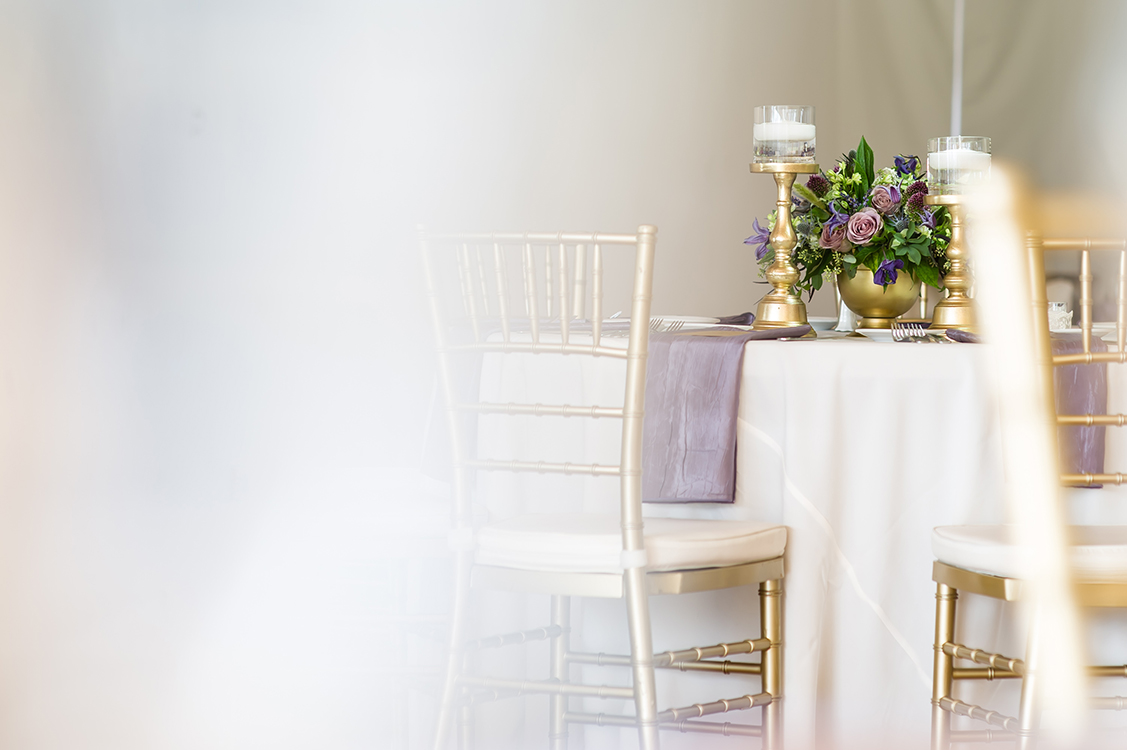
906	165
916	202
818	185
761	236
886	273
919	186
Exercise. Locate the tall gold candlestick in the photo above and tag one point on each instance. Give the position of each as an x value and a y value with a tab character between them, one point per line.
782	307
957	309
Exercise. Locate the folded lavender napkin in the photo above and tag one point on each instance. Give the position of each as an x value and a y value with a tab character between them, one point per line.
963	337
743	319
692	403
1080	389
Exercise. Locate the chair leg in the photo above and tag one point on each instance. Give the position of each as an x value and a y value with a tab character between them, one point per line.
458	616
641	657
1027	709
945	601
557	727
465	724
771	628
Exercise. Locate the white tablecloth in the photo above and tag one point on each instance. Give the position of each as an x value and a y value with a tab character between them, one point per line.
860	449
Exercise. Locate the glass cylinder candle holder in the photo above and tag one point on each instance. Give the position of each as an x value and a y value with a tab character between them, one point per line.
1060	317
784	133
957	163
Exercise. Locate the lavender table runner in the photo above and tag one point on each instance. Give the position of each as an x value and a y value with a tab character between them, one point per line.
1080	389
692	403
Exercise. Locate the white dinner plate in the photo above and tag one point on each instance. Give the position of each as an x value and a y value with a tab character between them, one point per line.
821	323
1100	330
666	319
686	319
876	334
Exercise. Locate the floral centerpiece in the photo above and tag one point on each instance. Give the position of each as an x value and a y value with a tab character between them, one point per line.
857	217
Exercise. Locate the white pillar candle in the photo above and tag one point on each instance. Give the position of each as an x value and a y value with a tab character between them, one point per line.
784	131
961	159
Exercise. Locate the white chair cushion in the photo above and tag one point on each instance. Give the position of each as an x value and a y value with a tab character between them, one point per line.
592	543
1099	553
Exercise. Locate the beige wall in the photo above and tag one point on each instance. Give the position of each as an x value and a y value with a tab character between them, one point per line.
591	116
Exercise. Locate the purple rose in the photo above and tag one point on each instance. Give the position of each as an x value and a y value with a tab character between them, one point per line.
863	225
886	198
831	237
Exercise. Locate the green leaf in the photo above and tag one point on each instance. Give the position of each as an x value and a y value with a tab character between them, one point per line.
897	241
913	253
805	193
849	258
928	275
865	164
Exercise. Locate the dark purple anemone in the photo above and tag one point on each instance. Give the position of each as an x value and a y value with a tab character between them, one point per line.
761	237
906	165
838	219
886	273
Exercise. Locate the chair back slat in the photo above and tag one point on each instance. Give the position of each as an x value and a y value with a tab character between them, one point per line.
502	289
1086	299
532	306
597	294
481	280
565	310
549	288
1121	303
579	284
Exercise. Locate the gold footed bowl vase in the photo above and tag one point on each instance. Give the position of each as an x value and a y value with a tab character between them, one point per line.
877	306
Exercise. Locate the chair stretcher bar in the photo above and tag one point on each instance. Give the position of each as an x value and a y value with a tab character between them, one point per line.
698	727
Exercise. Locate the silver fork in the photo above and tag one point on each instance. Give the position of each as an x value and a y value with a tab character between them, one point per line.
907	333
656	324
675	326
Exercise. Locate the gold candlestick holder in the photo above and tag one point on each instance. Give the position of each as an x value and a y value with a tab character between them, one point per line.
957	309
782	307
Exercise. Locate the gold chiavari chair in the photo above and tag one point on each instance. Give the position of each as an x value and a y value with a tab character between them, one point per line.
988	560
527	294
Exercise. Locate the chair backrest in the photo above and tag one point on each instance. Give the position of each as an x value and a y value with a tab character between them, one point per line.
1090	350
519	294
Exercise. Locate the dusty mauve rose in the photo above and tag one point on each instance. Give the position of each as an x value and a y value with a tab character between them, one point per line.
886	198
831	237
863	225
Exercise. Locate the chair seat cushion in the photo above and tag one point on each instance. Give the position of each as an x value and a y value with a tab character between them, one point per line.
1099	553
591	543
